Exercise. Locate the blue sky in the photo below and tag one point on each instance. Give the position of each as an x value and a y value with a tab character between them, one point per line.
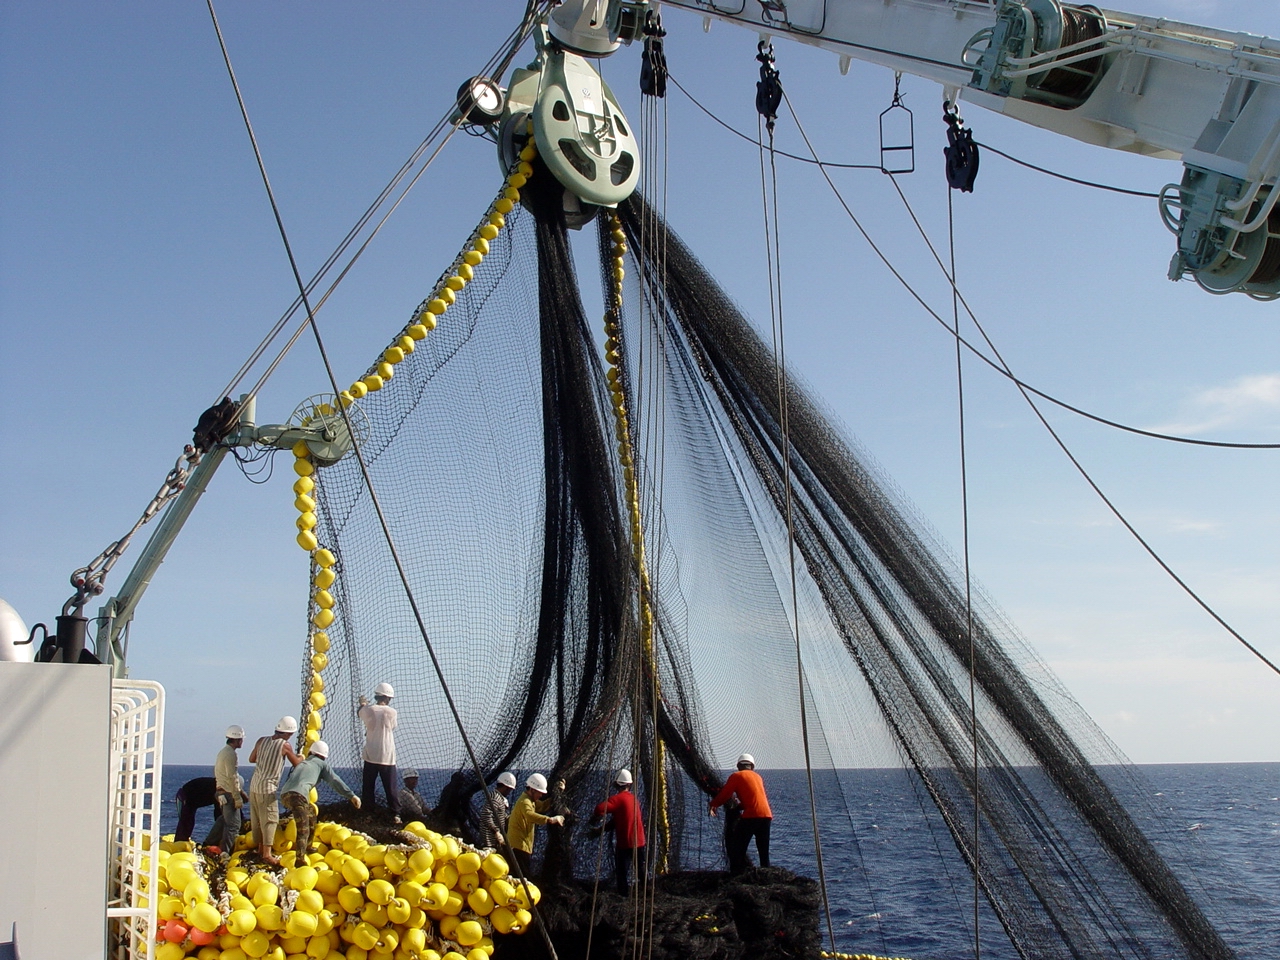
139	265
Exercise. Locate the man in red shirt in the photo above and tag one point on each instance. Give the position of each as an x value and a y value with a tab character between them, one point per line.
628	829
756	816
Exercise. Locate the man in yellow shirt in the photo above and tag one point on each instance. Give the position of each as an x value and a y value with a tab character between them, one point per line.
525	815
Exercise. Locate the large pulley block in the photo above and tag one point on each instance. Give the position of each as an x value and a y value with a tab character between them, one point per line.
581	133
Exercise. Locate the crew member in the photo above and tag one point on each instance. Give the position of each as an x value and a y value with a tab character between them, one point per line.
412	806
756	816
525	816
191	796
268	757
217	836
379	753
628	831
453	809
296	793
493	818
226	775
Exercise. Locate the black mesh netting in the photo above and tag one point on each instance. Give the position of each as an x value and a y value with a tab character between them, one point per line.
493	454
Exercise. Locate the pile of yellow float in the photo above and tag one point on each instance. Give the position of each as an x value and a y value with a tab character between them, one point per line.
433	899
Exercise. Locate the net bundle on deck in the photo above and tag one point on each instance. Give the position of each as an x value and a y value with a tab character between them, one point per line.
494	454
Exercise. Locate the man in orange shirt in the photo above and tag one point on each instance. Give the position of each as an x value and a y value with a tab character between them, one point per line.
756	817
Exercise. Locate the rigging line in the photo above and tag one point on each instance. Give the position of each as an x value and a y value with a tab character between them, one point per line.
1155	435
968	578
333	257
1026	394
875	166
642	899
1025	391
660	346
1007	374
1063	176
302	327
774	255
355	446
782	153
513	43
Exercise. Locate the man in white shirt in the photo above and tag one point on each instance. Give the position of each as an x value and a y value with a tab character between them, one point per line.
228	792
379	753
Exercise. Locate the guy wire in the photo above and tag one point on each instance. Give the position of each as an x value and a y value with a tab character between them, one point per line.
511	46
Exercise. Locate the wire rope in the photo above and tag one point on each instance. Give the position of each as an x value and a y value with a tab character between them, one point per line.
1027	395
782	153
360	459
656	432
773	256
1008	374
496	64
1105	421
876	166
302	327
1070	179
968	579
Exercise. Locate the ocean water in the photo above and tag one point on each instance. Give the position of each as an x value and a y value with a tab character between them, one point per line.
897	887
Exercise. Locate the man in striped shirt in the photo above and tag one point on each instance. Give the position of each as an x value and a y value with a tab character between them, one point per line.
268	757
493	818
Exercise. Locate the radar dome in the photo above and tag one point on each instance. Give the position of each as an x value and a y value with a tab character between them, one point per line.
13	637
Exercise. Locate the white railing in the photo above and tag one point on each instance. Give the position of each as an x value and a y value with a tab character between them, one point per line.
137	739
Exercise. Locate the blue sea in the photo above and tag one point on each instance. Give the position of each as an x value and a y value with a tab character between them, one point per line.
898	889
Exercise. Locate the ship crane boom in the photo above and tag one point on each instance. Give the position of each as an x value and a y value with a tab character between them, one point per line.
1145	85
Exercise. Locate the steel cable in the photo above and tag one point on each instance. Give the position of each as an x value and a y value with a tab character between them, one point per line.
1026	394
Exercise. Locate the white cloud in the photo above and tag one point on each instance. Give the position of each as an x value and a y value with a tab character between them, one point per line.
1194	526
1248	401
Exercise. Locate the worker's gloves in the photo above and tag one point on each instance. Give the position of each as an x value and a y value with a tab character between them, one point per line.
355	802
558	820
364	701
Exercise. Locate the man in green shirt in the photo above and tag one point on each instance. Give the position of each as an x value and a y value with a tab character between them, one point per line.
524	817
296	792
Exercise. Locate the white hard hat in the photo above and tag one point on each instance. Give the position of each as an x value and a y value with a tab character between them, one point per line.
409	775
287	725
623	779
508	780
746	758
320	749
384	690
235	732
537	782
